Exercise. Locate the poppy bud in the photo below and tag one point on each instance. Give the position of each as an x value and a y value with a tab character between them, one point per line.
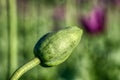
54	48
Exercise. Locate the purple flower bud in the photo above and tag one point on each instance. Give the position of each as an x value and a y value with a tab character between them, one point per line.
59	13
95	21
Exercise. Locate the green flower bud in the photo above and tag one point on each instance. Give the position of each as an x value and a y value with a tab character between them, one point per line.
54	48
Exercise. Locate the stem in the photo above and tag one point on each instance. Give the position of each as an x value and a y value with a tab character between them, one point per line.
71	12
20	71
12	34
3	37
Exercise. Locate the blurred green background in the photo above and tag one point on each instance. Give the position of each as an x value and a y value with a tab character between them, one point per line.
23	22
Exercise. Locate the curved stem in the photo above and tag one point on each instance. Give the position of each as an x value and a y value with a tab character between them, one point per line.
20	71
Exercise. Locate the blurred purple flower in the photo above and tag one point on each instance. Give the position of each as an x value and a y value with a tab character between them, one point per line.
95	22
22	7
59	13
117	2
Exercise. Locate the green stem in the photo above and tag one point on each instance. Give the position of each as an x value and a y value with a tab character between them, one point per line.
12	30
71	13
20	71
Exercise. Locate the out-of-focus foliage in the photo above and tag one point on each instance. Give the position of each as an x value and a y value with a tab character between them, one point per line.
96	58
